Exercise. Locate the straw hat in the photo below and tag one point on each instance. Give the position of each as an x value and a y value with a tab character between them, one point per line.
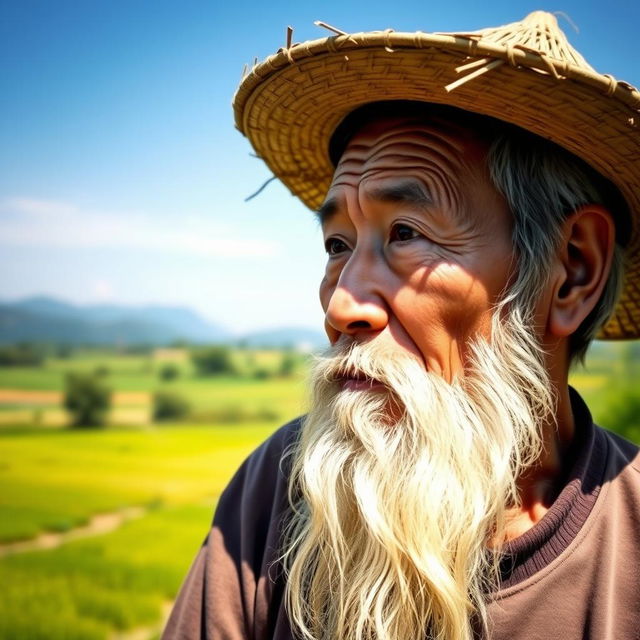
525	73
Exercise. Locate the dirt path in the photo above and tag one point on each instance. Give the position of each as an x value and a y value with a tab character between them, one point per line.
26	396
98	525
33	397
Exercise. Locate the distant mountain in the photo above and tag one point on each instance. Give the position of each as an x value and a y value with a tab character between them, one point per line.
42	305
45	319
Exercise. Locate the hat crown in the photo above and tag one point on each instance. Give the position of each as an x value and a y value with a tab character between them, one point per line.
538	32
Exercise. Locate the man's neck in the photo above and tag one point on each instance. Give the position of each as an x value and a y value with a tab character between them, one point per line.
540	485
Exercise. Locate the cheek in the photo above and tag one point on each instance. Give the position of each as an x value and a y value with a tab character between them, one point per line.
470	305
415	261
446	302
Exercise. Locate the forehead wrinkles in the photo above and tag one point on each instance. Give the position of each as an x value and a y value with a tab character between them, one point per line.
437	157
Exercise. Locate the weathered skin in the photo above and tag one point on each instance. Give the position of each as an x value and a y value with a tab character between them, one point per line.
419	250
422	271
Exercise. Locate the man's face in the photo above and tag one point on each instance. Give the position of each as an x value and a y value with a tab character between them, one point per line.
418	242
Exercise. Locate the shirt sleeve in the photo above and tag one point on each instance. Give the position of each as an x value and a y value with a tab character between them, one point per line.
233	589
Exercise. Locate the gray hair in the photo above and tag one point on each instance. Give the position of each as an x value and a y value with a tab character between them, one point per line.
543	184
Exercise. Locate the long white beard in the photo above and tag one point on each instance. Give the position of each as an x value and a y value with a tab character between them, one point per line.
398	491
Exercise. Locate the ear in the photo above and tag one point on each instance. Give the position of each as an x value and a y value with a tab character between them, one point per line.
582	266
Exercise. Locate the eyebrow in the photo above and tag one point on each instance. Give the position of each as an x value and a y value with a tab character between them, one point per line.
409	192
327	210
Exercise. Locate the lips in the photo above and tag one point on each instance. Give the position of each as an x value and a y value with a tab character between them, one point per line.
356	381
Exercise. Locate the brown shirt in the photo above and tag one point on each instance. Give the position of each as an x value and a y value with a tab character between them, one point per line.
573	576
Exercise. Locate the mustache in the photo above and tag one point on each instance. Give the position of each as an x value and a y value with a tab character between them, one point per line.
368	361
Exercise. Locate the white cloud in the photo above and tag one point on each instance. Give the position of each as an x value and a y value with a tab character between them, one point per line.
103	290
34	207
42	223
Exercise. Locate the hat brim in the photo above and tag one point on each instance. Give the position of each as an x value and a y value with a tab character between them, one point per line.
290	105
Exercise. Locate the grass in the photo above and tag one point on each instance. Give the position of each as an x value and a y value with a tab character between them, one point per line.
128	372
87	589
283	396
54	480
604	392
134	379
32	378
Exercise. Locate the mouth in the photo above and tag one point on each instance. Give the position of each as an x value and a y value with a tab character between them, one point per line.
357	381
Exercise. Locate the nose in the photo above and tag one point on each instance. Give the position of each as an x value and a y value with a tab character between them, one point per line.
354	305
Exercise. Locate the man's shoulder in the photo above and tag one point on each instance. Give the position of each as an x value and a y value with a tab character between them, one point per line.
274	451
622	475
263	476
622	452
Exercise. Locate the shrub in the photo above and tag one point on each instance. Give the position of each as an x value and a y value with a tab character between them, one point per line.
21	355
168	372
287	364
64	351
169	405
262	373
87	398
212	361
137	349
235	414
102	371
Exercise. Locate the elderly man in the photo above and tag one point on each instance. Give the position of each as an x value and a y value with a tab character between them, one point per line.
446	483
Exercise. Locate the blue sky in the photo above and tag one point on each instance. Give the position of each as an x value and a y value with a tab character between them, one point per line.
122	178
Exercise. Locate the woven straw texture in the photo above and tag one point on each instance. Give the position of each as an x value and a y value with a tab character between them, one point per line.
525	73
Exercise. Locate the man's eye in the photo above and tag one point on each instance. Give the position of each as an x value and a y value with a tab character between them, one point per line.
401	232
334	246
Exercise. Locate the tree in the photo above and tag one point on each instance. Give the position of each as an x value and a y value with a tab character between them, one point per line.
64	351
169	405
101	371
287	364
24	354
213	361
168	372
262	373
87	398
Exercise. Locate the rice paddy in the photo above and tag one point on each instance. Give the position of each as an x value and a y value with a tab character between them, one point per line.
55	479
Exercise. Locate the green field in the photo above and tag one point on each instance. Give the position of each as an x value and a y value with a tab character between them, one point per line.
244	396
90	588
57	480
54	479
